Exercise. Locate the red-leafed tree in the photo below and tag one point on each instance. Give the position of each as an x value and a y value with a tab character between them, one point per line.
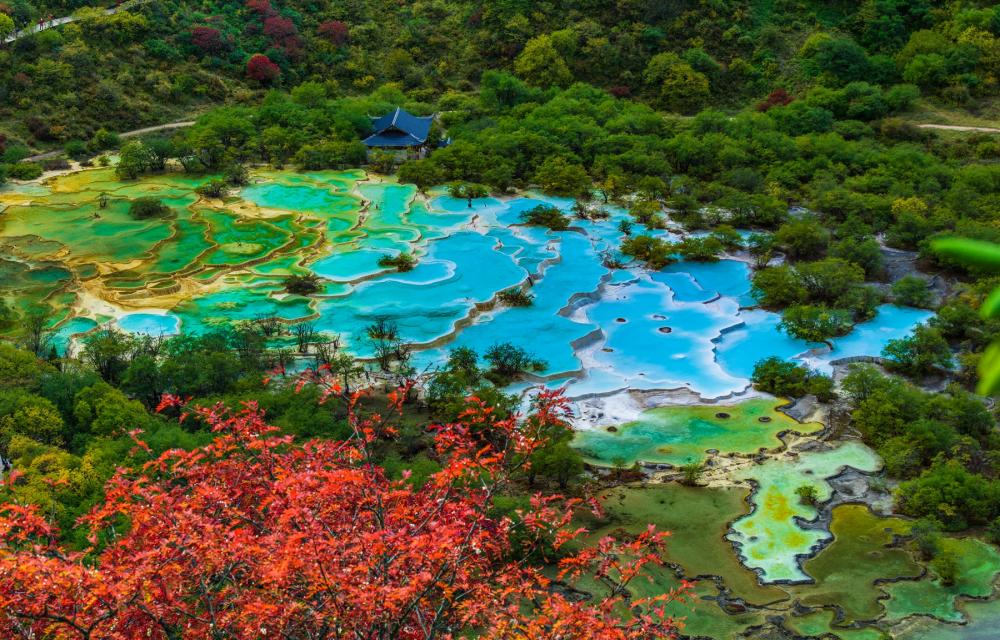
262	7
278	28
284	34
334	31
260	68
777	98
252	536
207	39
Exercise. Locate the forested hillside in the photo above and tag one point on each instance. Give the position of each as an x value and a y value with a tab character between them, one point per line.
166	59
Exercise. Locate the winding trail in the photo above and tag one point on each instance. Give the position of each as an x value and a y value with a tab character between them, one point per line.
128	134
57	22
955	127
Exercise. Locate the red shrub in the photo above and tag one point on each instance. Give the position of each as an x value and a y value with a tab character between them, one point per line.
293	47
207	39
278	28
620	91
777	98
253	537
260	68
263	7
335	31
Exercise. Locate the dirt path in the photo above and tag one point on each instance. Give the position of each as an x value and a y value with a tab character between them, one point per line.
57	22
127	134
955	127
159	127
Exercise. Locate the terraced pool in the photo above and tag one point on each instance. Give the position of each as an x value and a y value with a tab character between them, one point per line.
215	261
683	434
748	538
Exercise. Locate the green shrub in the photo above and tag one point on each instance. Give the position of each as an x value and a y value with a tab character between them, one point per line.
400	262
808	494
912	291
789	380
815	323
655	252
24	170
945	565
509	362
919	354
147	207
76	149
302	284
546	216
706	249
213	189
516	297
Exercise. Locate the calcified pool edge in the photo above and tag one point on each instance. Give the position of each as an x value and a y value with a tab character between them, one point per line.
621	342
597	356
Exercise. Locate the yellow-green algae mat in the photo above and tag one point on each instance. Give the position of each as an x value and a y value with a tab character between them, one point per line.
76	232
772	539
682	434
851	576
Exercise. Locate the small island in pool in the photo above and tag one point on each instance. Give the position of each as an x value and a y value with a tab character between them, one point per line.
656	363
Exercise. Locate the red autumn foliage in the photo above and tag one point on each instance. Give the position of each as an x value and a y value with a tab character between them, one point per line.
777	98
207	39
263	7
278	28
620	91
260	68
335	31
251	537
284	34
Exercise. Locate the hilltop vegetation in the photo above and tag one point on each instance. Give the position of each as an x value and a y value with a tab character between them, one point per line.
166	58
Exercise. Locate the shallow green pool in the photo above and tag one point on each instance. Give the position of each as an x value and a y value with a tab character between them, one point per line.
682	434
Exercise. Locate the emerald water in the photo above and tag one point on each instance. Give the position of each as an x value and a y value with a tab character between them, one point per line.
681	435
978	566
600	331
848	581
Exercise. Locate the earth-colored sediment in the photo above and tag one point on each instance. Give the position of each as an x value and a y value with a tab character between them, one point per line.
697	519
847	572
